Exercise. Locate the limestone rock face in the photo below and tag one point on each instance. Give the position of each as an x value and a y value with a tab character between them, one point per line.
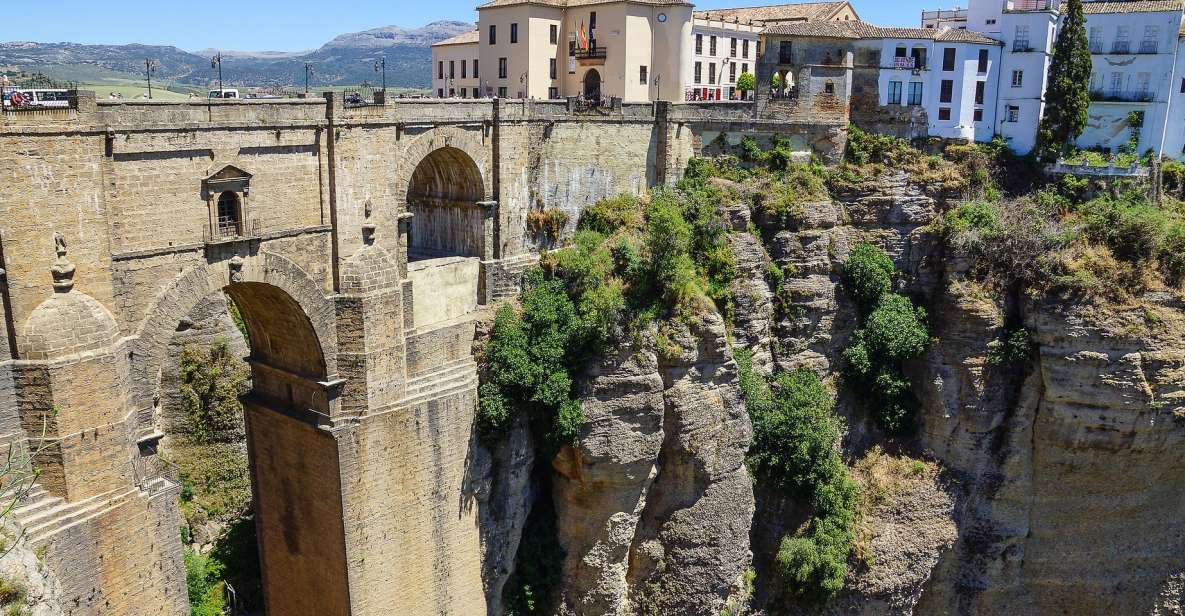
21	569
655	505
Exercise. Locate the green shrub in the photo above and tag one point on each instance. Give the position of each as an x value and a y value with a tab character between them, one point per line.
794	451
978	216
867	275
1172	254
211	382
203	579
1013	348
614	214
896	330
1131	226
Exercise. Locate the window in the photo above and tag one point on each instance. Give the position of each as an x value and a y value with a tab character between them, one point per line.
919	57
894	92
643	75
990	22
1143	86
732	72
946	93
948	59
452	92
699	44
712	74
553	93
915	93
228	214
439	92
1151	42
502	68
978	115
464	69
476	93
712	46
475	75
786	52
944	113
1183	86
745	67
1096	39
829	87
513	34
440	70
732	51
554	36
463	92
982	69
1018	79
1012	114
1123	42
551	68
1116	84
452	69
745	48
592	21
980	87
1021	42
493	35
699	73
502	92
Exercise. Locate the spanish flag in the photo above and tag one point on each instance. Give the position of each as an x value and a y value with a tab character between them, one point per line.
583	36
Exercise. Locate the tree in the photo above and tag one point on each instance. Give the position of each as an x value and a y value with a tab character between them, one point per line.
1067	99
746	82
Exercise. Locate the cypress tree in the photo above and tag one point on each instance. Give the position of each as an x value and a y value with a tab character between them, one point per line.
1067	99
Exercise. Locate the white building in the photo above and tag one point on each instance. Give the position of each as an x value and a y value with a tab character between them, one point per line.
1136	56
456	67
721	52
952	74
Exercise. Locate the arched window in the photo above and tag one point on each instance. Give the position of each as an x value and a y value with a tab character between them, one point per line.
230	215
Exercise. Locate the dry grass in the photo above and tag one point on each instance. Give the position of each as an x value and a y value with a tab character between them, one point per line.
881	478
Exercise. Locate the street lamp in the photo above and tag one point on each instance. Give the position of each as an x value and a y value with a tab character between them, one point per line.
382	65
658	84
308	72
150	67
216	62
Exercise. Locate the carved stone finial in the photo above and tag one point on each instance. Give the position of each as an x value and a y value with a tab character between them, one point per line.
62	269
236	269
368	227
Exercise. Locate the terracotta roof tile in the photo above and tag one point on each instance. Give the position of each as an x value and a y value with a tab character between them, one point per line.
863	30
804	11
1131	6
460	39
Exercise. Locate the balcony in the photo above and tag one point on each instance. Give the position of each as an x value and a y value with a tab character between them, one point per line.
1149	47
1121	48
1022	45
1138	95
592	53
905	62
1031	5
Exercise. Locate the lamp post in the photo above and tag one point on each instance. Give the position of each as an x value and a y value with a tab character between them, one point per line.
658	84
216	62
150	67
308	72
382	65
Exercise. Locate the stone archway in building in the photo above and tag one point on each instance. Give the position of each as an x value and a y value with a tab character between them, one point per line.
592	85
292	460
445	196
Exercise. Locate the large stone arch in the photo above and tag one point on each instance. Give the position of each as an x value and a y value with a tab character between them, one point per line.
176	300
292	455
446	187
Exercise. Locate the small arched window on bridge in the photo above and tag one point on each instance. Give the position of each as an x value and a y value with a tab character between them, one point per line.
829	87
230	215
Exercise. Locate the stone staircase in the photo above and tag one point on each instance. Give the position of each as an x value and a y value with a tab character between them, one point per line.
42	515
451	378
508	284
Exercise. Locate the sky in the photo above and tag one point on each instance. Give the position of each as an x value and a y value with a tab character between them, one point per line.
292	25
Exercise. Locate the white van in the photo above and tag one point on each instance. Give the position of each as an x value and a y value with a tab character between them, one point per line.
224	93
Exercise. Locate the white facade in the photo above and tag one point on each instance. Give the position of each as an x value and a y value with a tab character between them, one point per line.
957	85
1028	39
456	70
954	19
721	52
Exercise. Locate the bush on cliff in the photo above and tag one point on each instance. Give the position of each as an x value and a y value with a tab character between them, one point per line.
867	275
794	451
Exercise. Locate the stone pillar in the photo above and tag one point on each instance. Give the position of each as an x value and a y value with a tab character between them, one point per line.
404	232
489	251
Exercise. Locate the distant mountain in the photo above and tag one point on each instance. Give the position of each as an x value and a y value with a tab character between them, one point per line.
346	60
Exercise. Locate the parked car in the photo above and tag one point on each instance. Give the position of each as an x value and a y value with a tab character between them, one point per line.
224	93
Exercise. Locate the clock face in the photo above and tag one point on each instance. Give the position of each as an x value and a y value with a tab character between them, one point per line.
662	18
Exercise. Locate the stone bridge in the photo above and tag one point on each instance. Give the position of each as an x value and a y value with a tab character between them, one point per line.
357	242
